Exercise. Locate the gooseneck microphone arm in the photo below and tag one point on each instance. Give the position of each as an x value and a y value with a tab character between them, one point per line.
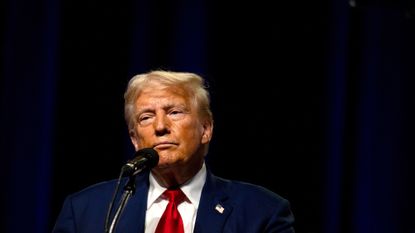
129	190
146	158
111	205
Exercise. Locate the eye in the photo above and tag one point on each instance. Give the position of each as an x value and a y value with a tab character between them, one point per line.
145	119
176	114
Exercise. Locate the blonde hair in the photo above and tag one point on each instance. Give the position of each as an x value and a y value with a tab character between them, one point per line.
190	82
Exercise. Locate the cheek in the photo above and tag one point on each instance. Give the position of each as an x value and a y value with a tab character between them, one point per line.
191	130
192	137
142	137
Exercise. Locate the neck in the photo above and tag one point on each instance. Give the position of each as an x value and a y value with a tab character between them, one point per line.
175	176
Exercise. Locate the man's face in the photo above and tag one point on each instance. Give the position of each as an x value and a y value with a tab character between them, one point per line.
167	121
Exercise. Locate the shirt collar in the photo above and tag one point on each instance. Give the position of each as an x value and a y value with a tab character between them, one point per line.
192	188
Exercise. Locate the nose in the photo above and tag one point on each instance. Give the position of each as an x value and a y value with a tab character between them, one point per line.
161	124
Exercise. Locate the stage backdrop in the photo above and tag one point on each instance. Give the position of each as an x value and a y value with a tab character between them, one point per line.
311	99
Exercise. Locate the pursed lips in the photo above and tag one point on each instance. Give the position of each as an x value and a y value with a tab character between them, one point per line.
161	145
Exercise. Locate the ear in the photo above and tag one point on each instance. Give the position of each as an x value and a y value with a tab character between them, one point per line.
134	139
207	131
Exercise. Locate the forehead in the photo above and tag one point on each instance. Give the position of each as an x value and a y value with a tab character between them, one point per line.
158	95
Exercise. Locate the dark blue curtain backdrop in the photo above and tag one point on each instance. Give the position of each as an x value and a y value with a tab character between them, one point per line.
313	100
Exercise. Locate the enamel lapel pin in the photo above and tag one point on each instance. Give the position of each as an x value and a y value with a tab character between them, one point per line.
219	208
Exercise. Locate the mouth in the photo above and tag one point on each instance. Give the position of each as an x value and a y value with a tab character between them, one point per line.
164	145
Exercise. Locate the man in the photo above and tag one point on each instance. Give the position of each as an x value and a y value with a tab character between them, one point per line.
170	112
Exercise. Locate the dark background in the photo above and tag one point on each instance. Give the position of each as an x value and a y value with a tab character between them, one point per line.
311	99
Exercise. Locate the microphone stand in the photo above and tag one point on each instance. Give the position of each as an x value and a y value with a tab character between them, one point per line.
146	158
129	190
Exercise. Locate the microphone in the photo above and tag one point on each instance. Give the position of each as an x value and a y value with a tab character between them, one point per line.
145	158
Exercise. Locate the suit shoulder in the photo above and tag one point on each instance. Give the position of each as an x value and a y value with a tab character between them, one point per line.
104	188
246	190
265	210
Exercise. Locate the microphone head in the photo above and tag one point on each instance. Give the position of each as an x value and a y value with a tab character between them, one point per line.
151	155
146	158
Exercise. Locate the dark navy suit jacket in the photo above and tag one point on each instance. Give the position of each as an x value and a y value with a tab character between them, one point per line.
247	208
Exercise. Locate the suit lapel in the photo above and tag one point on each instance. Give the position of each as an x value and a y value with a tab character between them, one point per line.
214	207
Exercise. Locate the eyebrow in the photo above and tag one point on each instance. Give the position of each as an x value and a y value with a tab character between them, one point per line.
165	107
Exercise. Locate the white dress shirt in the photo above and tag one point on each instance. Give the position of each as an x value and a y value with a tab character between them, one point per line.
187	209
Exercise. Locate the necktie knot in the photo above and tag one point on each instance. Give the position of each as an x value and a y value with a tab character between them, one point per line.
175	196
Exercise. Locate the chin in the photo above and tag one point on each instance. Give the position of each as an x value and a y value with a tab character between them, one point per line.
165	164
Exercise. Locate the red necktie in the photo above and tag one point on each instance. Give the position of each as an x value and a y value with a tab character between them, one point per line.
171	221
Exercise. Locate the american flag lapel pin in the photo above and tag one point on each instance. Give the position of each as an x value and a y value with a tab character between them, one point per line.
219	208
